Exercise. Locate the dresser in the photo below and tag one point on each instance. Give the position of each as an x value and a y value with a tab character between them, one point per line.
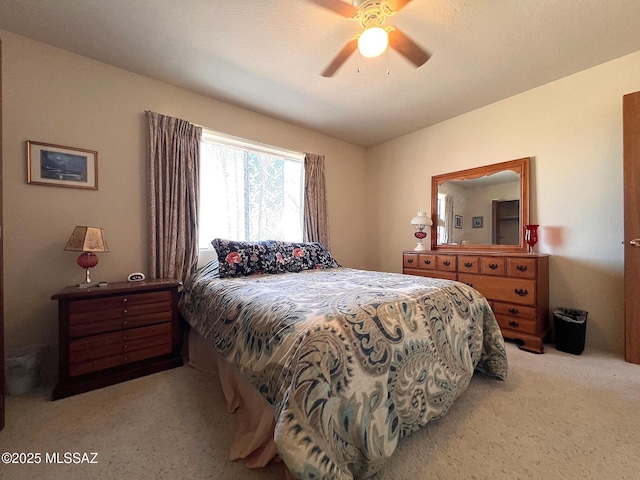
516	285
115	333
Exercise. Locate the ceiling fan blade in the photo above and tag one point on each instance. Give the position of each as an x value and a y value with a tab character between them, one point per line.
338	6
342	57
397	5
407	47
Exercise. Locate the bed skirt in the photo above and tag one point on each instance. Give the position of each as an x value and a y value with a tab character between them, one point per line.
253	443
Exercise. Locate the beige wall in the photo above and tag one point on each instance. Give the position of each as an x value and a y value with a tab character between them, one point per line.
52	96
572	128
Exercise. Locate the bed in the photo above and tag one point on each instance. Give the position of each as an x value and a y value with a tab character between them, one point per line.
347	362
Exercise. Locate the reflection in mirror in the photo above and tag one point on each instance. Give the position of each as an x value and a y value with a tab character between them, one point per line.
466	206
482	208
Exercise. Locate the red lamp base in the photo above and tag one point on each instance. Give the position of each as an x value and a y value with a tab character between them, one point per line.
87	260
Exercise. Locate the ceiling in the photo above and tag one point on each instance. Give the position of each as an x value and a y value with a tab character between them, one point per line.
267	55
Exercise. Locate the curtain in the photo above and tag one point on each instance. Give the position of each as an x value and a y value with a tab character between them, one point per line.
448	219
316	223
174	157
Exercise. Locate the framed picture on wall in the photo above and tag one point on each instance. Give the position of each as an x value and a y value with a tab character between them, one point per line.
477	222
458	221
60	166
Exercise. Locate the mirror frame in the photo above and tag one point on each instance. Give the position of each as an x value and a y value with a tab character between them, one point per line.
520	166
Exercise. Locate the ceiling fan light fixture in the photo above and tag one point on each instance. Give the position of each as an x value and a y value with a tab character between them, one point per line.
373	42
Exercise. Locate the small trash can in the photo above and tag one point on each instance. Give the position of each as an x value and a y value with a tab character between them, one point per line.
570	329
22	368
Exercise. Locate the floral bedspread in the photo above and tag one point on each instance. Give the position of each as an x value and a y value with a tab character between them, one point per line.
351	360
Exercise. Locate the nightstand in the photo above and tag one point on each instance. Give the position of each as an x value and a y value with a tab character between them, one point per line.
115	333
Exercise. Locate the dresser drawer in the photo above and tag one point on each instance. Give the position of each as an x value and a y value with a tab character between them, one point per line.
427	261
508	290
514	311
431	273
493	266
467	264
522	267
105	345
410	260
447	263
517	324
119	359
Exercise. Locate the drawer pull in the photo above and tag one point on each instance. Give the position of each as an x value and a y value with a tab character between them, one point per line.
468	264
125	311
522	268
409	260
513	311
446	263
514	324
125	323
125	358
493	266
427	262
521	291
125	347
125	300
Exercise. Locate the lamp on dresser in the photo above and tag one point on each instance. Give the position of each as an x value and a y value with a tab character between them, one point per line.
89	241
420	222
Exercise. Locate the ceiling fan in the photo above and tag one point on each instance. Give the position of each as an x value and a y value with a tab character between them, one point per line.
375	38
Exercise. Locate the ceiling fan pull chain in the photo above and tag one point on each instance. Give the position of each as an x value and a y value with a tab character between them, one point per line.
388	61
358	62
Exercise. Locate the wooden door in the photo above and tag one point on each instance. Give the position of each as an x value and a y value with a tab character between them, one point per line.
505	222
1	274
631	139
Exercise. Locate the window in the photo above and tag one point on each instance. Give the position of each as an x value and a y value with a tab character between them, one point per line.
442	218
249	191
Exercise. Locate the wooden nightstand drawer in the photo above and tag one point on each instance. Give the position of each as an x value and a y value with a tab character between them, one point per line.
98	346
112	320
118	302
122	311
119	359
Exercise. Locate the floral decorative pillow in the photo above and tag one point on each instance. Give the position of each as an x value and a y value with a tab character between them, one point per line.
307	256
247	258
270	256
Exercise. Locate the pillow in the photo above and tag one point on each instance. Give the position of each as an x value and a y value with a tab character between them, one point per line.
248	258
307	256
270	256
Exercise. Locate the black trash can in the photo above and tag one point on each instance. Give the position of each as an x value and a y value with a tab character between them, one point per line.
571	328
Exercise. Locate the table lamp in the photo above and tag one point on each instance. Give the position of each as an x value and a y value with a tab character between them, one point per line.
420	222
87	240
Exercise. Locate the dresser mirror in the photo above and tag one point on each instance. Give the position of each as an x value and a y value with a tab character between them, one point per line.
481	209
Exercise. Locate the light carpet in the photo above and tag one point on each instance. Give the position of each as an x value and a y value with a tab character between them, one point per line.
558	416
